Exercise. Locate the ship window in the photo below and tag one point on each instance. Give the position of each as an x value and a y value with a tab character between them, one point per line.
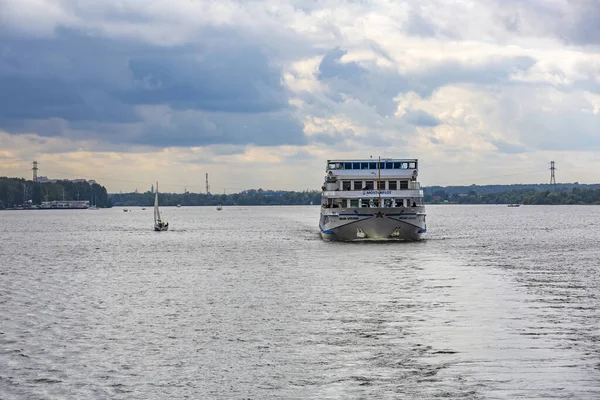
404	165
369	185
364	165
381	185
413	165
392	185
348	165
403	185
354	203
373	165
397	165
389	165
346	185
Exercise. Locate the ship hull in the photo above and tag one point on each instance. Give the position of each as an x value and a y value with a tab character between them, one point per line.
352	224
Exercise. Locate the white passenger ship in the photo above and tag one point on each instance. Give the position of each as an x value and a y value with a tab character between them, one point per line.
372	199
65	205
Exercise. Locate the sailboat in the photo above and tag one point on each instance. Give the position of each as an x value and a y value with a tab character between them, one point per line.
159	225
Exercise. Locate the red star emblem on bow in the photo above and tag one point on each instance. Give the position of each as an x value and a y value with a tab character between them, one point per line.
378	214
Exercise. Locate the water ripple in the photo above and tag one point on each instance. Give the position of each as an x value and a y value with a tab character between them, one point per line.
250	303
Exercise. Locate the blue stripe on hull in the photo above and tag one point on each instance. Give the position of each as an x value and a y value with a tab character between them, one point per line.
326	231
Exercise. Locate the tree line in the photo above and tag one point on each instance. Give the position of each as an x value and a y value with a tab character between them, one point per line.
446	191
576	195
19	192
257	197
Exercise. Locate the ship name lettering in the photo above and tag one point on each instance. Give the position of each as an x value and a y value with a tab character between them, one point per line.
367	192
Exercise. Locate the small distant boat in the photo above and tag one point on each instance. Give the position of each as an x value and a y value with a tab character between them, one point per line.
94	206
125	210
219	207
514	205
143	209
159	224
178	205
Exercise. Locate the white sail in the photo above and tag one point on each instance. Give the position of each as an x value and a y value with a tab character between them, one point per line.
156	211
159	224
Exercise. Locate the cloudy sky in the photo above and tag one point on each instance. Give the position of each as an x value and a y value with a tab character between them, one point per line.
262	93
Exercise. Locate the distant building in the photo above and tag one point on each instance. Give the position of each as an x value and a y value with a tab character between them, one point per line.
65	204
45	179
462	195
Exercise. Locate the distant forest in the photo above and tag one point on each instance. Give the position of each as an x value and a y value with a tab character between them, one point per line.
561	193
16	192
246	198
20	192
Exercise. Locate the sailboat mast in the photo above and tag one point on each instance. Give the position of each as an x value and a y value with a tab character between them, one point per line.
379	180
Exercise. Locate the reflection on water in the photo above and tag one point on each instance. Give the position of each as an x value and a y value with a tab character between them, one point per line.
249	303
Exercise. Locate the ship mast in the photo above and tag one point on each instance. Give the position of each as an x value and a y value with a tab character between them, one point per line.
379	181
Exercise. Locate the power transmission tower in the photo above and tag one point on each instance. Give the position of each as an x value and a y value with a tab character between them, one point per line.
552	177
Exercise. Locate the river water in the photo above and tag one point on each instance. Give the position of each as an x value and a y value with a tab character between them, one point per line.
249	303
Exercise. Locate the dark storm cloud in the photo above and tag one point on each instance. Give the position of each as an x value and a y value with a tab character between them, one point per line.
261	129
231	79
71	77
90	81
